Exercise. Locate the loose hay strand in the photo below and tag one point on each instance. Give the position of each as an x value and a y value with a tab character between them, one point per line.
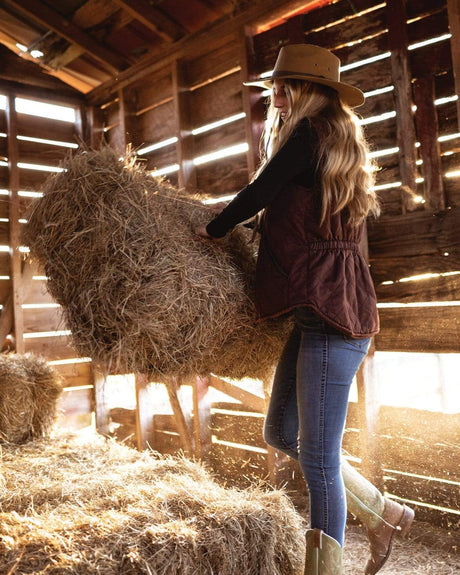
139	290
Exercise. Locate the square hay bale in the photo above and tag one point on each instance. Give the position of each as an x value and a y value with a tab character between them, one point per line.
29	390
139	290
100	507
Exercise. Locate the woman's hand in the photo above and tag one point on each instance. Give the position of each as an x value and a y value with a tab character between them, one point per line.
217	208
201	231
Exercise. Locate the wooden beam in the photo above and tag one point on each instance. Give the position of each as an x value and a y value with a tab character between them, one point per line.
184	145
247	398
427	131
453	10
262	13
401	75
154	19
71	32
14	225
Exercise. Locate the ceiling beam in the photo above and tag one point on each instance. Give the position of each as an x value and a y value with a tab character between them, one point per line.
65	28
260	14
154	19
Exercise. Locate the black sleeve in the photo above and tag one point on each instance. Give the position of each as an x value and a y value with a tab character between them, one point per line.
295	157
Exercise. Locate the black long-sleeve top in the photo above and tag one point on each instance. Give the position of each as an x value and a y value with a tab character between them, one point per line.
294	162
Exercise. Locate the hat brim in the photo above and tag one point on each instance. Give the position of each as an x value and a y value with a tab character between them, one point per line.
350	95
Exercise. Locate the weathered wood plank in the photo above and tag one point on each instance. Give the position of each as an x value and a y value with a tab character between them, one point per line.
453	7
224	176
222	137
216	100
36	127
153	89
336	11
370	76
36	320
50	347
439	288
158	124
214	64
434	59
75	374
348	31
419	329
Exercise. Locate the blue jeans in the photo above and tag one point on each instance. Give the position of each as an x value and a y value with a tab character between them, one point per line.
307	411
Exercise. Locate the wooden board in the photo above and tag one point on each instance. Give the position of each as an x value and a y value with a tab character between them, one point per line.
419	329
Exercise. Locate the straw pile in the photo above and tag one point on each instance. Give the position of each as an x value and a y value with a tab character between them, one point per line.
104	508
139	290
29	390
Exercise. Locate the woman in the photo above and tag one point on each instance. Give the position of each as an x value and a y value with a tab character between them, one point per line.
315	186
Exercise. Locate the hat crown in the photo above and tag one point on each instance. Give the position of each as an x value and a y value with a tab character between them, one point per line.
308	60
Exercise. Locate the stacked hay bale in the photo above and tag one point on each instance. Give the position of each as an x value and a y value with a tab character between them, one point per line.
29	390
104	508
139	290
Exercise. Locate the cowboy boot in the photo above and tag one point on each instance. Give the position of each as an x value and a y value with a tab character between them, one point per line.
383	518
323	554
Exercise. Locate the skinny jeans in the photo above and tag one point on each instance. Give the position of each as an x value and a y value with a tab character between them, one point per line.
307	411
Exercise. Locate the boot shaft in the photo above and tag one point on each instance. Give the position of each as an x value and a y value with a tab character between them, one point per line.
323	554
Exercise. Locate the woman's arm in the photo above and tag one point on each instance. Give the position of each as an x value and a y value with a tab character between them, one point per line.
298	155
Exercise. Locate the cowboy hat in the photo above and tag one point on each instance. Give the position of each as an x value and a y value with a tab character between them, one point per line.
312	64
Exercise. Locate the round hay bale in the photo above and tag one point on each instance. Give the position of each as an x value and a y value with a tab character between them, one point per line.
100	507
139	291
29	390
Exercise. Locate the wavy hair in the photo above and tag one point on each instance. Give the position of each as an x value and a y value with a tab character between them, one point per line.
345	170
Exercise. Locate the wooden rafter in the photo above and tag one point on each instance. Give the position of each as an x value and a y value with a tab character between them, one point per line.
154	19
71	32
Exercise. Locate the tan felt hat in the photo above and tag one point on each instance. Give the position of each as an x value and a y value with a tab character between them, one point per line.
312	64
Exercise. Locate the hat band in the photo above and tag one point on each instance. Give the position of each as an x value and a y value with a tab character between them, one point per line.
285	73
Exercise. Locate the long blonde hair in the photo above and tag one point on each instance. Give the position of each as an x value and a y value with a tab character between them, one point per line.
345	170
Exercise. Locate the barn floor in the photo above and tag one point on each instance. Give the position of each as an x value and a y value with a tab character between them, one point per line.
427	550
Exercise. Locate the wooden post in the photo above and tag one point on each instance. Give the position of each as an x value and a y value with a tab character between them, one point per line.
96	127
368	409
253	101
144	414
427	131
202	417
401	75
453	10
184	146
182	421
99	377
14	225
127	119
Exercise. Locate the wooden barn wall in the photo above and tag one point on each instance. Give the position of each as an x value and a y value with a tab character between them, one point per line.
410	119
31	320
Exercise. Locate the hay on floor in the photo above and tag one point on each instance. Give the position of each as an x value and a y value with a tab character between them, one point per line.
103	508
139	290
29	390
